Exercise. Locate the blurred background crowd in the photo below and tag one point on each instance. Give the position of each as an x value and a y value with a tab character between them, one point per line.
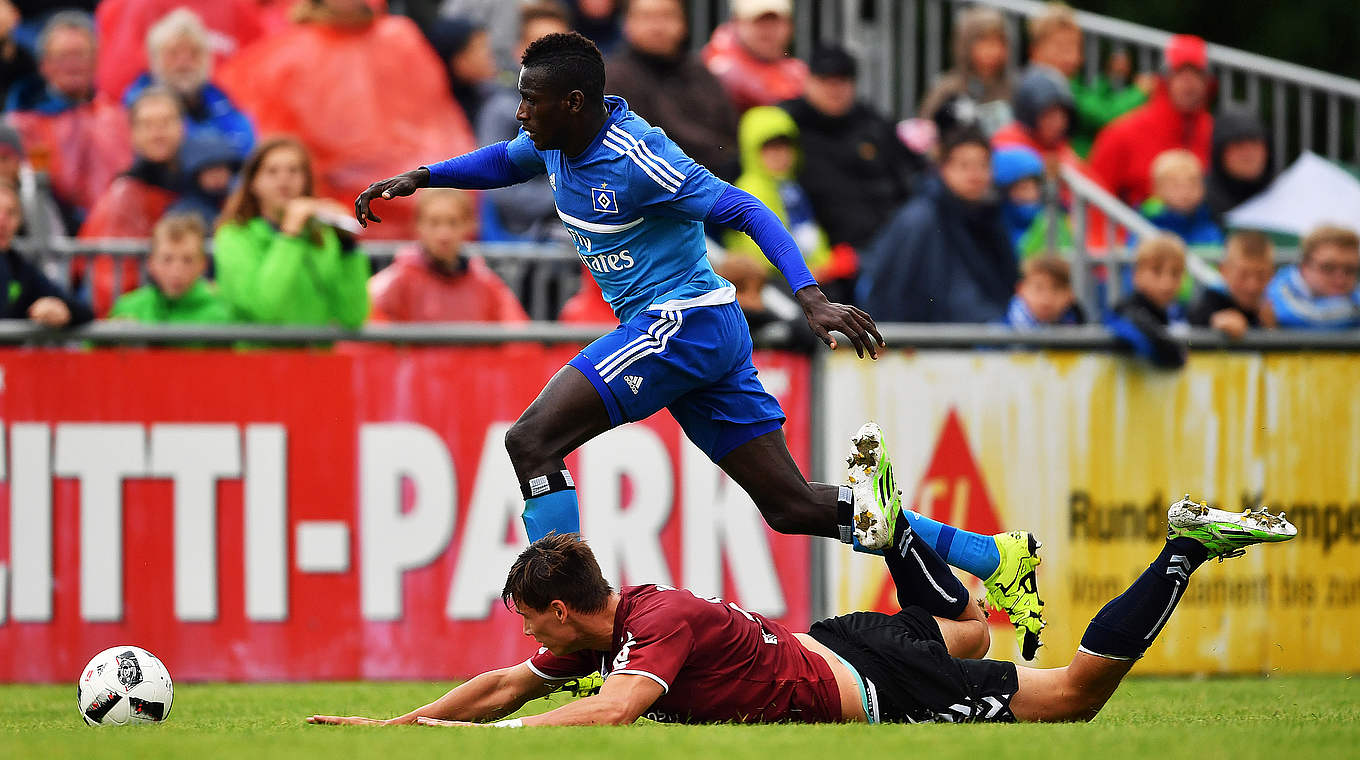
233	135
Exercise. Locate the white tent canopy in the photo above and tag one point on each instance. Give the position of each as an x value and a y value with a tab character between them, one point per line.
1311	192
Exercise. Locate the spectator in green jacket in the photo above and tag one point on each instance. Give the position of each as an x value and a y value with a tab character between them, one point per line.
1055	41
284	256
177	292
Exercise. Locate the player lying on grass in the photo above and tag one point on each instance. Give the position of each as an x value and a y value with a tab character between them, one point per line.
671	656
635	207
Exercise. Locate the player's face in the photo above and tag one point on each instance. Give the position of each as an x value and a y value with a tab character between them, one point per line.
543	111
549	627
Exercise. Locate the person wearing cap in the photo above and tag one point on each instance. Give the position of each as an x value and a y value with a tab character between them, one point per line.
670	87
1177	116
749	54
180	57
854	169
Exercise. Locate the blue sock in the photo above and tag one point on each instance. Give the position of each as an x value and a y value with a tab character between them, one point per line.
1128	624
970	552
550	506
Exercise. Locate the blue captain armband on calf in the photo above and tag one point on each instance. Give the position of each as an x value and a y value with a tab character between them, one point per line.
742	211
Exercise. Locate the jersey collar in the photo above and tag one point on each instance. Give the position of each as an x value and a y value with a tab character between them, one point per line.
618	109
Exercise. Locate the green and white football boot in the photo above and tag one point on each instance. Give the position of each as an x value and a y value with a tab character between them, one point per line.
877	500
1226	534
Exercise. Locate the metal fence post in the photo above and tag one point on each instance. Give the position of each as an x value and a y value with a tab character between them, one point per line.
819	548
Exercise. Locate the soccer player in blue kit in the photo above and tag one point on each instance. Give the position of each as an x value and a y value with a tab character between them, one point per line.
635	206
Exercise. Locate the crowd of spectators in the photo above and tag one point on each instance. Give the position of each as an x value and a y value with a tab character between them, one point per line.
247	126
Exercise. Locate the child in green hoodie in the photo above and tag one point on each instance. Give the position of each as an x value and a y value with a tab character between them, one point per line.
177	292
769	162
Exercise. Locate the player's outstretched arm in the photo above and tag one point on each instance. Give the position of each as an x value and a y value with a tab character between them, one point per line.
488	696
622	700
742	211
482	169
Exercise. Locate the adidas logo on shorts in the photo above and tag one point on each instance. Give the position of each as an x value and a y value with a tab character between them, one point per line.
634	382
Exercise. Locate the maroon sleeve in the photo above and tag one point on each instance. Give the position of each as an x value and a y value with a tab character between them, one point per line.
655	645
551	667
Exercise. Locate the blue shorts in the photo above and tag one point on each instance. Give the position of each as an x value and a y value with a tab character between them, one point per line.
696	362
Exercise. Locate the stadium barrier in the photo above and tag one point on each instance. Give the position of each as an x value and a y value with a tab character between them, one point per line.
283	512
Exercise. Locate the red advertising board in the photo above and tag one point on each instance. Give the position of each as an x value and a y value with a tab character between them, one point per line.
332	515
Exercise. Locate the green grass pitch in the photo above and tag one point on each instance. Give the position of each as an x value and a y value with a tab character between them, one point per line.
1279	717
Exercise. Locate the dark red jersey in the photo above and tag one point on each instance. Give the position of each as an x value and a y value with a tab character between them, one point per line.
716	661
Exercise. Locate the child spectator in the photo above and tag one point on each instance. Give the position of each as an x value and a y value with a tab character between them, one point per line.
209	166
750	54
1142	320
435	280
1177	204
1248	262
177	292
1044	117
980	74
27	293
1044	296
1018	173
282	255
1321	292
769	162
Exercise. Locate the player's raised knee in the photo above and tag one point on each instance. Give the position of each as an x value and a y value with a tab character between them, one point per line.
522	444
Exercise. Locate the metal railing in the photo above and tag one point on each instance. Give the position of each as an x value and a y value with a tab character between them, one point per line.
897	336
903	45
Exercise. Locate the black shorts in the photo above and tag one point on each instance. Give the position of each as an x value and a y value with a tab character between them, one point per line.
908	671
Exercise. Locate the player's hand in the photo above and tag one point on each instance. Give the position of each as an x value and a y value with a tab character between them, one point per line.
824	316
49	311
403	184
423	721
351	720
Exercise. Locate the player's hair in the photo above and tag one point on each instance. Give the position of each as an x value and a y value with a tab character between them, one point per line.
1177	161
1050	266
561	567
572	62
242	205
151	93
540	10
177	226
1159	249
965	135
1252	245
1328	234
433	195
1056	17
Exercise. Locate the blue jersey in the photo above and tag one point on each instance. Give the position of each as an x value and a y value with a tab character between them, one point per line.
634	205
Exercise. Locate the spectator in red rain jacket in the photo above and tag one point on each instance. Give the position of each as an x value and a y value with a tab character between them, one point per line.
135	201
587	306
363	90
435	280
81	140
749	54
1176	117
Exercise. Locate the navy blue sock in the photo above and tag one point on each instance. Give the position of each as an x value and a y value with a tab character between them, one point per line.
550	505
922	578
970	552
1127	625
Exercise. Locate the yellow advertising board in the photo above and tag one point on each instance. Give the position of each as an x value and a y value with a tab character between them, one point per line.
1087	451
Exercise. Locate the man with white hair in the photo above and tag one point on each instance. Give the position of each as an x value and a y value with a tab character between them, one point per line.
179	54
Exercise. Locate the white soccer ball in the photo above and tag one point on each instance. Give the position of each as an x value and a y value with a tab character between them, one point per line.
122	685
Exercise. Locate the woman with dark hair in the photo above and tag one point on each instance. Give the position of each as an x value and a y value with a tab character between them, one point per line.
282	255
